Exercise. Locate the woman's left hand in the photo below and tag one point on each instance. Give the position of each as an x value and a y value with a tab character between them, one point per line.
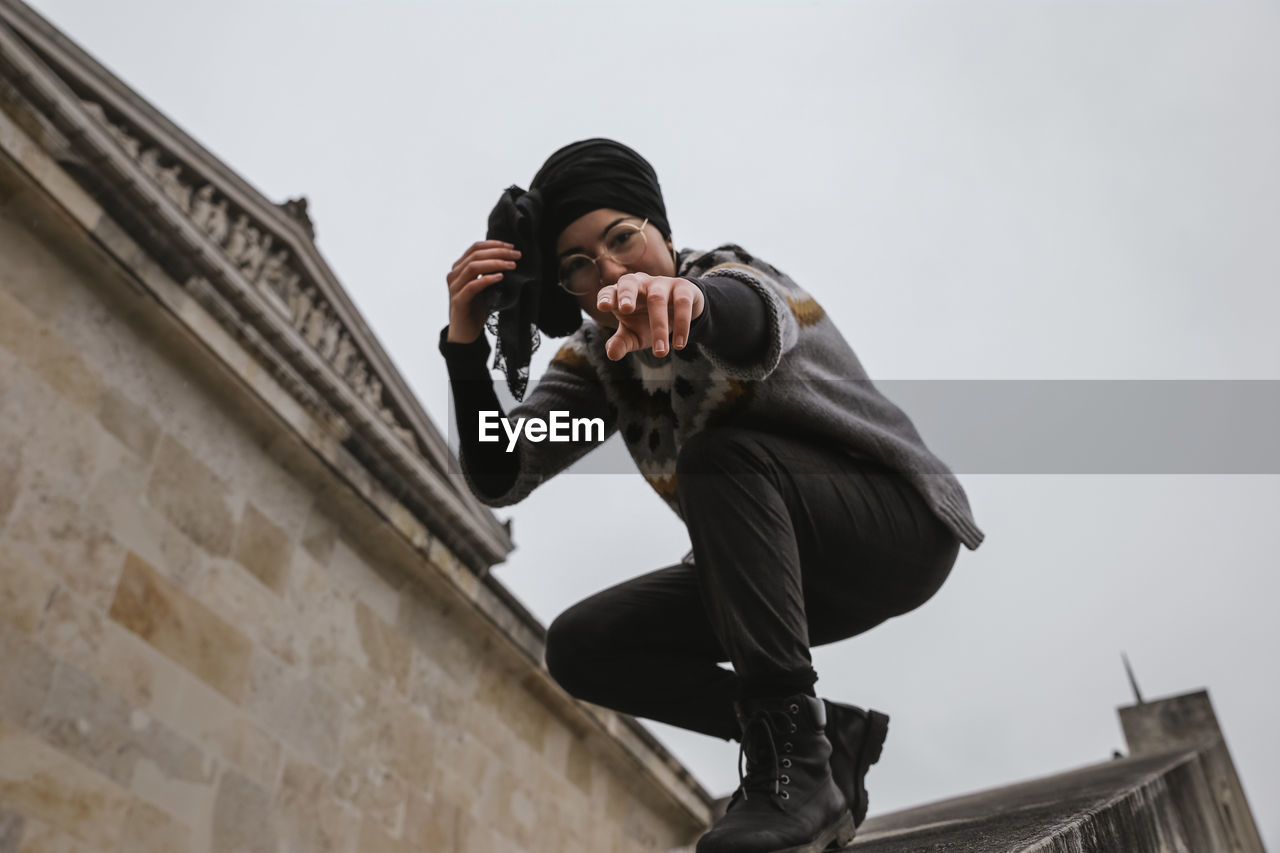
649	308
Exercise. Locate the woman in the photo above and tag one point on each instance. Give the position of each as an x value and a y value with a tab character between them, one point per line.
814	509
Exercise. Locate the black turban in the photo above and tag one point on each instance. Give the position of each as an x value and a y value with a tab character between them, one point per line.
579	178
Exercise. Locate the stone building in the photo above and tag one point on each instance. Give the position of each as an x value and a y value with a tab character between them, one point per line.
243	604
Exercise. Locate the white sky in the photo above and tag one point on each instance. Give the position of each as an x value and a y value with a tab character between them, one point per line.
1033	190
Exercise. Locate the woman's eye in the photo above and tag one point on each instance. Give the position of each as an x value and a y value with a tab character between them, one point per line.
573	265
620	239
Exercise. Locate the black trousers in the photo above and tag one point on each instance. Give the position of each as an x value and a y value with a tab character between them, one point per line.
795	544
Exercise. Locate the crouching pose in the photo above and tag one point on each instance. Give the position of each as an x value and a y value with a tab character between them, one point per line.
814	509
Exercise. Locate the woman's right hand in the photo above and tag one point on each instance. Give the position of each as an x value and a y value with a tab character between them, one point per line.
479	267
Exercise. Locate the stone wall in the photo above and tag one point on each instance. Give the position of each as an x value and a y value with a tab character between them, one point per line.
210	642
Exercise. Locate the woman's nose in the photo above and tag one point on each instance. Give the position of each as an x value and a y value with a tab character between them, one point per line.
610	270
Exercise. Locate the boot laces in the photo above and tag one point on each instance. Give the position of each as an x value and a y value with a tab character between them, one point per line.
760	776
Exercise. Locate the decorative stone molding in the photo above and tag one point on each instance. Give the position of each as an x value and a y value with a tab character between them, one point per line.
264	260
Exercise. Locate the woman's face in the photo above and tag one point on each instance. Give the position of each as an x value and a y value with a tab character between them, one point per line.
586	236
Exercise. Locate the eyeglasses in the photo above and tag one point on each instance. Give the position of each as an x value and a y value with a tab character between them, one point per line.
625	243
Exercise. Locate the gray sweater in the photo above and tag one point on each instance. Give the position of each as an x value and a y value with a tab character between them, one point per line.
803	380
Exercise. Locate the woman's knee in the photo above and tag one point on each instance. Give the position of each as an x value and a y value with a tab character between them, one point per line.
574	639
718	451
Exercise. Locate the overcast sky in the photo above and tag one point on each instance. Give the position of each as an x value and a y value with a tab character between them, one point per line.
973	190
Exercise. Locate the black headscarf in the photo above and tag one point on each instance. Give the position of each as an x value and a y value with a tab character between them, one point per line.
579	178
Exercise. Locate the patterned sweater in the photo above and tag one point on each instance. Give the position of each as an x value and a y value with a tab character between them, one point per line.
803	379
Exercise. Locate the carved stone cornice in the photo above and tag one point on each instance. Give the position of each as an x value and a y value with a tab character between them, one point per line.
252	264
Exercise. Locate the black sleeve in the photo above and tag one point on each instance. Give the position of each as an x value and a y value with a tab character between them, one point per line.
733	323
493	470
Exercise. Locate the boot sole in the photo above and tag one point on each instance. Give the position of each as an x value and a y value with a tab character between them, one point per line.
837	835
868	754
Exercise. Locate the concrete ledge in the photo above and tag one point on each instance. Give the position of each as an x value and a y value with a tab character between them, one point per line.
1149	803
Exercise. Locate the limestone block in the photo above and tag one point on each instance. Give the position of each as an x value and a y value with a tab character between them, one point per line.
408	743
351	573
182	628
10	466
24	591
129	422
385	649
511	807
27	673
466	767
42	838
224	730
319	535
87	721
516	708
50	532
38	781
148	829
263	548
47	355
376	791
308	817
12	825
193	497
442	821
295	707
450	637
76	633
242	817
580	765
374	840
190	803
238	597
115	502
435	691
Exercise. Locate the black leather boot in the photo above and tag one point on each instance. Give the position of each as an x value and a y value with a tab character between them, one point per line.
857	738
787	802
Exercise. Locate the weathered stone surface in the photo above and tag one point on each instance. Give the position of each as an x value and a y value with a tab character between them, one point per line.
129	422
182	628
85	721
580	765
10	464
319	536
263	548
50	532
373	839
43	838
38	781
47	354
78	634
310	819
228	590
193	497
115	502
208	719
24	592
450	635
296	708
377	792
517	710
148	829
385	649
242	817
94	725
27	673
11	827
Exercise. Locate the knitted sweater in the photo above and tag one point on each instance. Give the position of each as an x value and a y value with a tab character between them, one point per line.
803	380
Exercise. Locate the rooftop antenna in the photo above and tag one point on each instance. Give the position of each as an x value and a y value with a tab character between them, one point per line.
1133	682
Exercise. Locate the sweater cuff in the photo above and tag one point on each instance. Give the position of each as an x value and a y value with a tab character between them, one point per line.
465	361
733	322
